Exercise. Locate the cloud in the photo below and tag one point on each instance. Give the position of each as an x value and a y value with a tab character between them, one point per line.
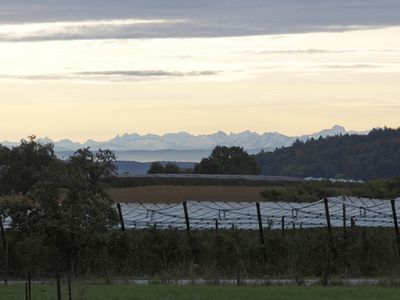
227	59
204	18
302	51
89	29
149	73
351	66
111	75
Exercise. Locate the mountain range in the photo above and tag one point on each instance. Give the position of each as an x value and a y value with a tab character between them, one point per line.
250	141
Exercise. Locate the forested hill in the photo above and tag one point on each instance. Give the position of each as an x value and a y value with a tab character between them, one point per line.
376	155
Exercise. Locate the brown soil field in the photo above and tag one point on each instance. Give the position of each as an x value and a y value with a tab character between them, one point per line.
174	194
179	193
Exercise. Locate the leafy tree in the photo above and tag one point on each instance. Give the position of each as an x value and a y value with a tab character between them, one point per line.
228	160
171	168
156	168
168	168
66	208
21	167
92	165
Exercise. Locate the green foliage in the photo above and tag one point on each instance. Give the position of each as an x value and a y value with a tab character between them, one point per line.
298	192
168	168
156	168
91	166
21	167
64	207
366	157
165	254
228	160
171	168
310	191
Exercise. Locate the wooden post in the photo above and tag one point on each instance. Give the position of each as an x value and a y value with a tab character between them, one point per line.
261	231
216	226
29	286
352	222
121	218
396	225
26	291
69	287
328	224
344	238
344	222
325	274
58	286
283	225
238	281
187	221
5	249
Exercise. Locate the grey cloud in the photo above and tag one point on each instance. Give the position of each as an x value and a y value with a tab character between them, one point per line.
111	75
351	66
302	51
208	18
151	73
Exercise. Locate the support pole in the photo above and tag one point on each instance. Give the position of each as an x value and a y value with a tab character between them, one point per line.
26	291
69	287
29	286
187	221
121	218
58	286
325	273
283	225
352	222
238	262
5	250
329	227
396	225
216	226
344	222
344	238
261	231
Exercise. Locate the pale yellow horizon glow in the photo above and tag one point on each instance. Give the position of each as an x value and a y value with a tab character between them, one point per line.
293	84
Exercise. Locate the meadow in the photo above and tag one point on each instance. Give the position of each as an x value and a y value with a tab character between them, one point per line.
166	292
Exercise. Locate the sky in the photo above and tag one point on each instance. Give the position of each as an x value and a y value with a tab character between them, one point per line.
94	69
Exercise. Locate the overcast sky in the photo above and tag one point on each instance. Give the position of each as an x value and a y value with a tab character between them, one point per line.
95	68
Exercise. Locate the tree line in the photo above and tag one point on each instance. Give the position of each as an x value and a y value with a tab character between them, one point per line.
222	160
372	156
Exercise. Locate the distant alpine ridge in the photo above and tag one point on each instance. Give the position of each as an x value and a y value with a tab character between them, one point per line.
250	141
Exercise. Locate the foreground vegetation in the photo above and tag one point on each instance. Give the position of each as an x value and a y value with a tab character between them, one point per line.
124	292
167	254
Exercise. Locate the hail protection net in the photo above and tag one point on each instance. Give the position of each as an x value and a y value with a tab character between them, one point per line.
275	215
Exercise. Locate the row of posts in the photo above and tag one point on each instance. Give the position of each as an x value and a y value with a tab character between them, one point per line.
28	287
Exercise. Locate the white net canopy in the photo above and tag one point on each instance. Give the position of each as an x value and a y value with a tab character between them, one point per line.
364	212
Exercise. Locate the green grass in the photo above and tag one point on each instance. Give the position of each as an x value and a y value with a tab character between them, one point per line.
119	292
